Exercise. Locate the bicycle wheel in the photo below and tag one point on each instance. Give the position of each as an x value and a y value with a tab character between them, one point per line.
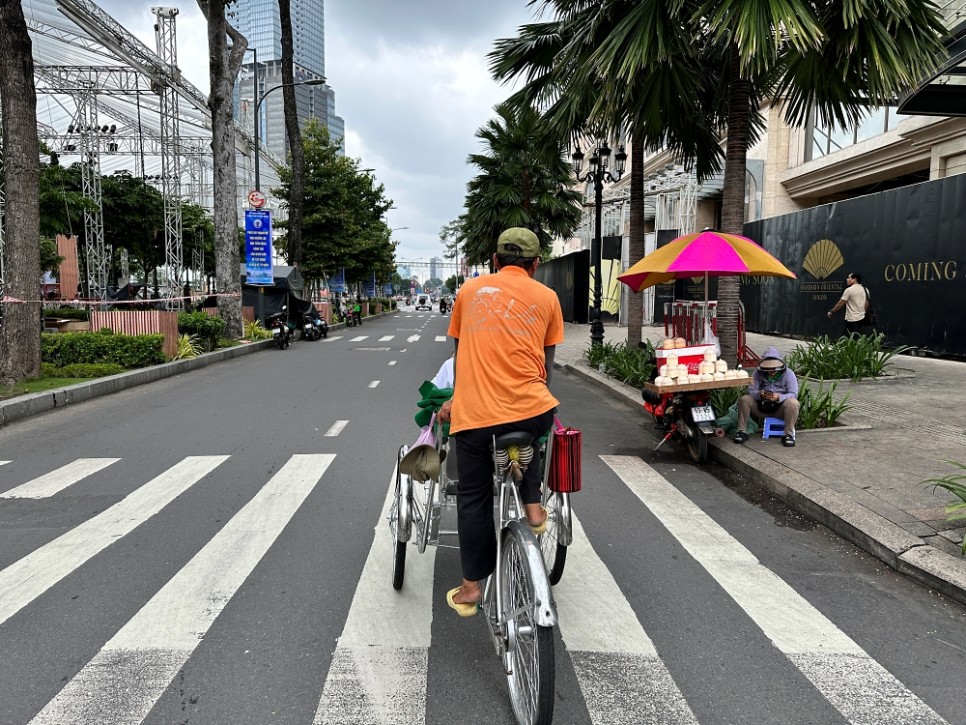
529	659
554	553
400	526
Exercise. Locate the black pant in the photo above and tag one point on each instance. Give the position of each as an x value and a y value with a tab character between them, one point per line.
474	501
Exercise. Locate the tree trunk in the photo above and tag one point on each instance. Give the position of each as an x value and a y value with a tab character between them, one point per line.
20	332
635	245
294	134
223	69
733	201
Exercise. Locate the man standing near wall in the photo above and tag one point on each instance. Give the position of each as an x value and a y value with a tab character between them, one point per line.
854	300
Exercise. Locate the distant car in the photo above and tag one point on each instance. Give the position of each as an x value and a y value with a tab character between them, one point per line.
423	303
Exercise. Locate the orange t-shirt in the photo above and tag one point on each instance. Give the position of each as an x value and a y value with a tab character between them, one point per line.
503	322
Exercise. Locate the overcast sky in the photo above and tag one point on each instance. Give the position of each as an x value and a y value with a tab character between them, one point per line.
410	80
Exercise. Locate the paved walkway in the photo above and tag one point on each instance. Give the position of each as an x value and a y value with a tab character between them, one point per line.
863	480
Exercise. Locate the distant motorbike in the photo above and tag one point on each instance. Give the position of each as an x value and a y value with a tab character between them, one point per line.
321	327
281	332
349	319
309	329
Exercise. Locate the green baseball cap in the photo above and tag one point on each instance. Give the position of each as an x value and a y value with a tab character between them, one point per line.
519	241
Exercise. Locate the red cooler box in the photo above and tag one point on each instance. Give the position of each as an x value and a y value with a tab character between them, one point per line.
689	356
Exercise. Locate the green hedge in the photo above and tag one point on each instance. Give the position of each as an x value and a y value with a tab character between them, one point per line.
69	313
207	328
81	370
129	351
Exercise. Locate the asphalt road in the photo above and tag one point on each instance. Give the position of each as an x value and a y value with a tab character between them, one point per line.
211	549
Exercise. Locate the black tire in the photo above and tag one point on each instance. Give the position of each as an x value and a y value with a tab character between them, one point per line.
280	342
530	657
398	564
554	553
696	443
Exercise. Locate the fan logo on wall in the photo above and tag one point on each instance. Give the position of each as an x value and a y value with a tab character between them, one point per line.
823	259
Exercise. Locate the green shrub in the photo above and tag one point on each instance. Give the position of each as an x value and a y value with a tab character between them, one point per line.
226	342
634	366
851	357
81	370
955	483
128	351
188	347
721	399
254	331
819	408
207	328
68	313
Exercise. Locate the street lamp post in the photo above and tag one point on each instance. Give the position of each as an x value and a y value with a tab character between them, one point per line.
258	103
598	172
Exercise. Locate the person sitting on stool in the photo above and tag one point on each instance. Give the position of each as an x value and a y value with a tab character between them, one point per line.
773	393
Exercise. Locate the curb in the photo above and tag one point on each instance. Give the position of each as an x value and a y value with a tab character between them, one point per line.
888	542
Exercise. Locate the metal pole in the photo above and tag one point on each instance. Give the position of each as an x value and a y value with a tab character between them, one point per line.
596	326
258	129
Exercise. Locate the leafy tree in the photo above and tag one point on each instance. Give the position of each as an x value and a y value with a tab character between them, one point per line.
224	64
711	63
62	201
455	282
523	182
49	259
342	222
19	333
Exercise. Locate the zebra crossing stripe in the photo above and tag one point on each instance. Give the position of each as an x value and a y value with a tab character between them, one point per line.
856	685
3	463
616	664
359	338
441	338
380	668
386	338
412	338
28	578
55	481
336	428
123	681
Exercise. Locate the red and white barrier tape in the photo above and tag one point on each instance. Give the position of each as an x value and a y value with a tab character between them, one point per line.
87	303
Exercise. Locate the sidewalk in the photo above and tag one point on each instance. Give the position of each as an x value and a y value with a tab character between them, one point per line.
863	479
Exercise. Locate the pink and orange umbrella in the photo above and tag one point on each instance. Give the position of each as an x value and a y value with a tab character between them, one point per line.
708	253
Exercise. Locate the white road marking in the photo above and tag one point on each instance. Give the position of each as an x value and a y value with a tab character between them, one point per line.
391	363
441	338
333	338
617	666
379	669
412	338
386	338
123	681
26	579
336	428
856	685
374	384
360	338
55	481
3	463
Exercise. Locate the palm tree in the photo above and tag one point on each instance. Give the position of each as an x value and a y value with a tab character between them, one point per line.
822	57
19	338
523	182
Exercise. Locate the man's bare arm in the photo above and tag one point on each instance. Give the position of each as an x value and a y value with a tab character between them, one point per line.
548	354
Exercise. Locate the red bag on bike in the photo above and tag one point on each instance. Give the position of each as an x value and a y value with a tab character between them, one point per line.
565	466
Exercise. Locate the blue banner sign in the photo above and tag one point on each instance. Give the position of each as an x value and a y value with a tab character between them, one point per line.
337	281
370	288
387	290
258	247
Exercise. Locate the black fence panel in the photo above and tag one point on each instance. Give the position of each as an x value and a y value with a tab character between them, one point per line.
567	276
909	246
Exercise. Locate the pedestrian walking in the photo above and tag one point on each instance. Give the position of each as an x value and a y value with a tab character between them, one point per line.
855	301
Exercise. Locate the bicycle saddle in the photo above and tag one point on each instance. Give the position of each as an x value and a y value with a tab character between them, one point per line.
516	438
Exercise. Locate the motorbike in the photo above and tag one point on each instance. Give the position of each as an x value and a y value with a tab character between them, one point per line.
309	330
321	327
685	416
350	321
281	332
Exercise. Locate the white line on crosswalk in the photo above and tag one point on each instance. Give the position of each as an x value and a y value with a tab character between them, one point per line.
617	666
374	384
412	338
336	428
859	687
391	363
333	338
3	463
123	681
379	670
386	338
441	338
55	481
359	338
26	579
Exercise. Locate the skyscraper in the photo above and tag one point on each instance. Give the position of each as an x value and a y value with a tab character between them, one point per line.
258	20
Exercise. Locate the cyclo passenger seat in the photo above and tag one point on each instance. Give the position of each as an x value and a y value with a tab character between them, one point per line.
513	451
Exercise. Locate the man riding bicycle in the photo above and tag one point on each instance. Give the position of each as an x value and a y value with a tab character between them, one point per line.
506	327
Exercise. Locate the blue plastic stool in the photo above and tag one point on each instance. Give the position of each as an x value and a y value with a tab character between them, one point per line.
772	427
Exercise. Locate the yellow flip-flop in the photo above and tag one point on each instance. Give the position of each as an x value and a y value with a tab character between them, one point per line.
464	609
